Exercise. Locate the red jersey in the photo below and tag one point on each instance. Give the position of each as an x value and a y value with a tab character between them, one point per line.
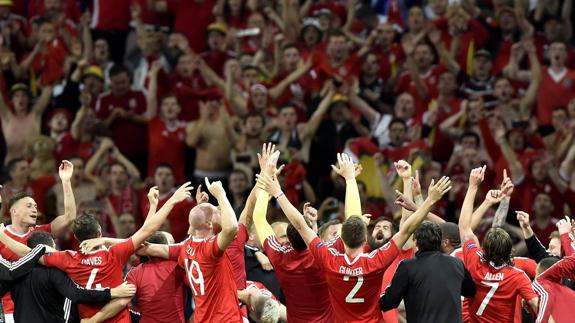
431	80
66	146
458	253
555	91
556	299
130	137
7	303
178	217
235	252
497	287
303	284
160	291
191	18
209	274
167	145
98	269
354	284
111	15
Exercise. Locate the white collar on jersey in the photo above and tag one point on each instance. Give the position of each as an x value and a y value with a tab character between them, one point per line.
557	76
9	228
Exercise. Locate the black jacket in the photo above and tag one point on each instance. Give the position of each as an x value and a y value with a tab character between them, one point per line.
10	271
41	296
431	285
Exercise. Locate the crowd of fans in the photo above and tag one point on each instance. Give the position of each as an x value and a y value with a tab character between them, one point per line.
143	93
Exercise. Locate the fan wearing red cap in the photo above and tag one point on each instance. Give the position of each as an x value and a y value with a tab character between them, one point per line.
21	122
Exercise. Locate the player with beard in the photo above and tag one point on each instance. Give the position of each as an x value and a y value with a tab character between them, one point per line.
353	299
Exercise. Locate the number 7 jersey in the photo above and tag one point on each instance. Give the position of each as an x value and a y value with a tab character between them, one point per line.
497	287
210	275
354	284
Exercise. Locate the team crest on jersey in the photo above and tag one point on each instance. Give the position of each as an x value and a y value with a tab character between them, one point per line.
471	245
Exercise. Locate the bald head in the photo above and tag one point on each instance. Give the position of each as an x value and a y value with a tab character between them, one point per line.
202	217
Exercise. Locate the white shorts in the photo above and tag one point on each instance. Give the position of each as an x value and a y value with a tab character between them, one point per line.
9	318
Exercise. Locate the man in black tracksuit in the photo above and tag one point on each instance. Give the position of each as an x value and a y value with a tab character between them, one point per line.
41	295
431	283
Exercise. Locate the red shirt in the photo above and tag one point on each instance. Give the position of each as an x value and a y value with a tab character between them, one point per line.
188	91
111	15
349	68
7	303
129	137
389	61
529	266
98	269
209	274
431	81
497	288
556	299
178	217
71	9
160	291
235	252
191	18
303	284
553	94
167	145
354	284
543	233
48	66
66	146
458	253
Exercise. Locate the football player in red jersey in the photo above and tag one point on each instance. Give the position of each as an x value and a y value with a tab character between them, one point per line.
209	271
24	213
263	305
354	277
491	267
103	268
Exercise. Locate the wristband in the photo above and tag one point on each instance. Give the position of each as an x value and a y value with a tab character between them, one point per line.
279	195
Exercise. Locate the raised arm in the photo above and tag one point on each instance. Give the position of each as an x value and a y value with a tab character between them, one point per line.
280	88
272	186
267	160
155	221
403	169
434	36
369	113
4	110
61	224
91	166
530	95
315	120
435	192
465	217
491	198
501	214
409	47
195	129
43	101
152	108
517	172
347	170
229	222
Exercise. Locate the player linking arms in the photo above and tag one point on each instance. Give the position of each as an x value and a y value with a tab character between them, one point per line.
354	278
491	267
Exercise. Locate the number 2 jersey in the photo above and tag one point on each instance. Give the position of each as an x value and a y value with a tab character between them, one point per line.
354	284
497	287
210	275
97	269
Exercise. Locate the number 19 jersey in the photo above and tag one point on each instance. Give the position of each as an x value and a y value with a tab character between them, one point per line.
210	275
497	287
354	284
98	269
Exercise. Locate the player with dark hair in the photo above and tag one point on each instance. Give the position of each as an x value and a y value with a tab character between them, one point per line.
354	277
103	267
491	267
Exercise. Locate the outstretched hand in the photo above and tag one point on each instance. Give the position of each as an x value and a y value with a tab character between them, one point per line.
437	190
345	167
183	192
269	184
268	150
404	202
477	175
66	170
88	246
523	219
216	188
403	169
201	196
564	225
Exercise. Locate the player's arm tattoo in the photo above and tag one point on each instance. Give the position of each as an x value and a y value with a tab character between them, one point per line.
501	213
